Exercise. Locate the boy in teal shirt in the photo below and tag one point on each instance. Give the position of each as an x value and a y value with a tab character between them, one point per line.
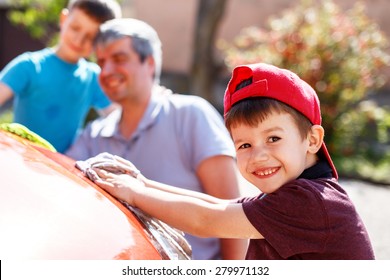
55	88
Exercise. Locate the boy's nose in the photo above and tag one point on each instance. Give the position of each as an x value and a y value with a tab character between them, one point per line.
80	39
259	154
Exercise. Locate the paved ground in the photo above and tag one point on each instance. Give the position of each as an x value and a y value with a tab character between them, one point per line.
373	204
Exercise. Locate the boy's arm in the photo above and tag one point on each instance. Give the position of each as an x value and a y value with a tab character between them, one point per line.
192	212
5	93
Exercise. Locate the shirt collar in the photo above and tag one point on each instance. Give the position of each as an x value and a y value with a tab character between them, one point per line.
320	170
148	119
111	124
152	111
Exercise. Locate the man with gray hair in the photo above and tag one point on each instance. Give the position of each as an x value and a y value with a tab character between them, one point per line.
172	138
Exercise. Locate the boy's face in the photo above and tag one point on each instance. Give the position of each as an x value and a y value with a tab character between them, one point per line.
271	153
78	31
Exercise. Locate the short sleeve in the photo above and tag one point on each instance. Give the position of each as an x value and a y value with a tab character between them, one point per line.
17	73
204	131
292	219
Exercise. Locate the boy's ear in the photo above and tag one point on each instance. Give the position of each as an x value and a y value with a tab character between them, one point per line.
63	16
316	138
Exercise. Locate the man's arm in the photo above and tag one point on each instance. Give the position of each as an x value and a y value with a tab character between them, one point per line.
219	178
5	93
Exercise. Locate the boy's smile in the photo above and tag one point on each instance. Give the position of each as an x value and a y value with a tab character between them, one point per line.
271	153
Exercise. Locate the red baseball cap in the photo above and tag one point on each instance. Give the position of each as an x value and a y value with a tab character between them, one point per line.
280	84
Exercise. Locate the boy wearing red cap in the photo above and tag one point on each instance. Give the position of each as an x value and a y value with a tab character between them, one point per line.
302	212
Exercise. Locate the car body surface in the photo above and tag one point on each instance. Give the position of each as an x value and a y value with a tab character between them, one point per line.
50	210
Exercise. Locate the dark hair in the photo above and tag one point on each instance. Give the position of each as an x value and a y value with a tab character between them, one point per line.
253	110
100	10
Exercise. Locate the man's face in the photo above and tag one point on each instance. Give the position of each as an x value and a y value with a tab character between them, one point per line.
123	75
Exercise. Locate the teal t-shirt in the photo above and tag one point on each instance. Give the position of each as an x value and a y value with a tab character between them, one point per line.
52	97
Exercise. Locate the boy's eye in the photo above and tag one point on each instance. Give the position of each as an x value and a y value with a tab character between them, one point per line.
90	38
244	146
273	139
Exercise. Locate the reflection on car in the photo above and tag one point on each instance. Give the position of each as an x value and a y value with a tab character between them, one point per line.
51	210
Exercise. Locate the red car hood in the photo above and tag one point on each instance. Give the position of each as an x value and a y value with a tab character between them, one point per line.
49	210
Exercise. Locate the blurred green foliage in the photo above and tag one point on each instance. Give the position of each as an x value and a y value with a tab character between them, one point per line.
341	55
39	17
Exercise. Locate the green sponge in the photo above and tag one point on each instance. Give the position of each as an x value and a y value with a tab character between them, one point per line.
25	133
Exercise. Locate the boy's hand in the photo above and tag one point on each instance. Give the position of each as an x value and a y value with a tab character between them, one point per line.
121	186
116	165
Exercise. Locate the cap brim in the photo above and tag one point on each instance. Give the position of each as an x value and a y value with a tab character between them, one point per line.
329	159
